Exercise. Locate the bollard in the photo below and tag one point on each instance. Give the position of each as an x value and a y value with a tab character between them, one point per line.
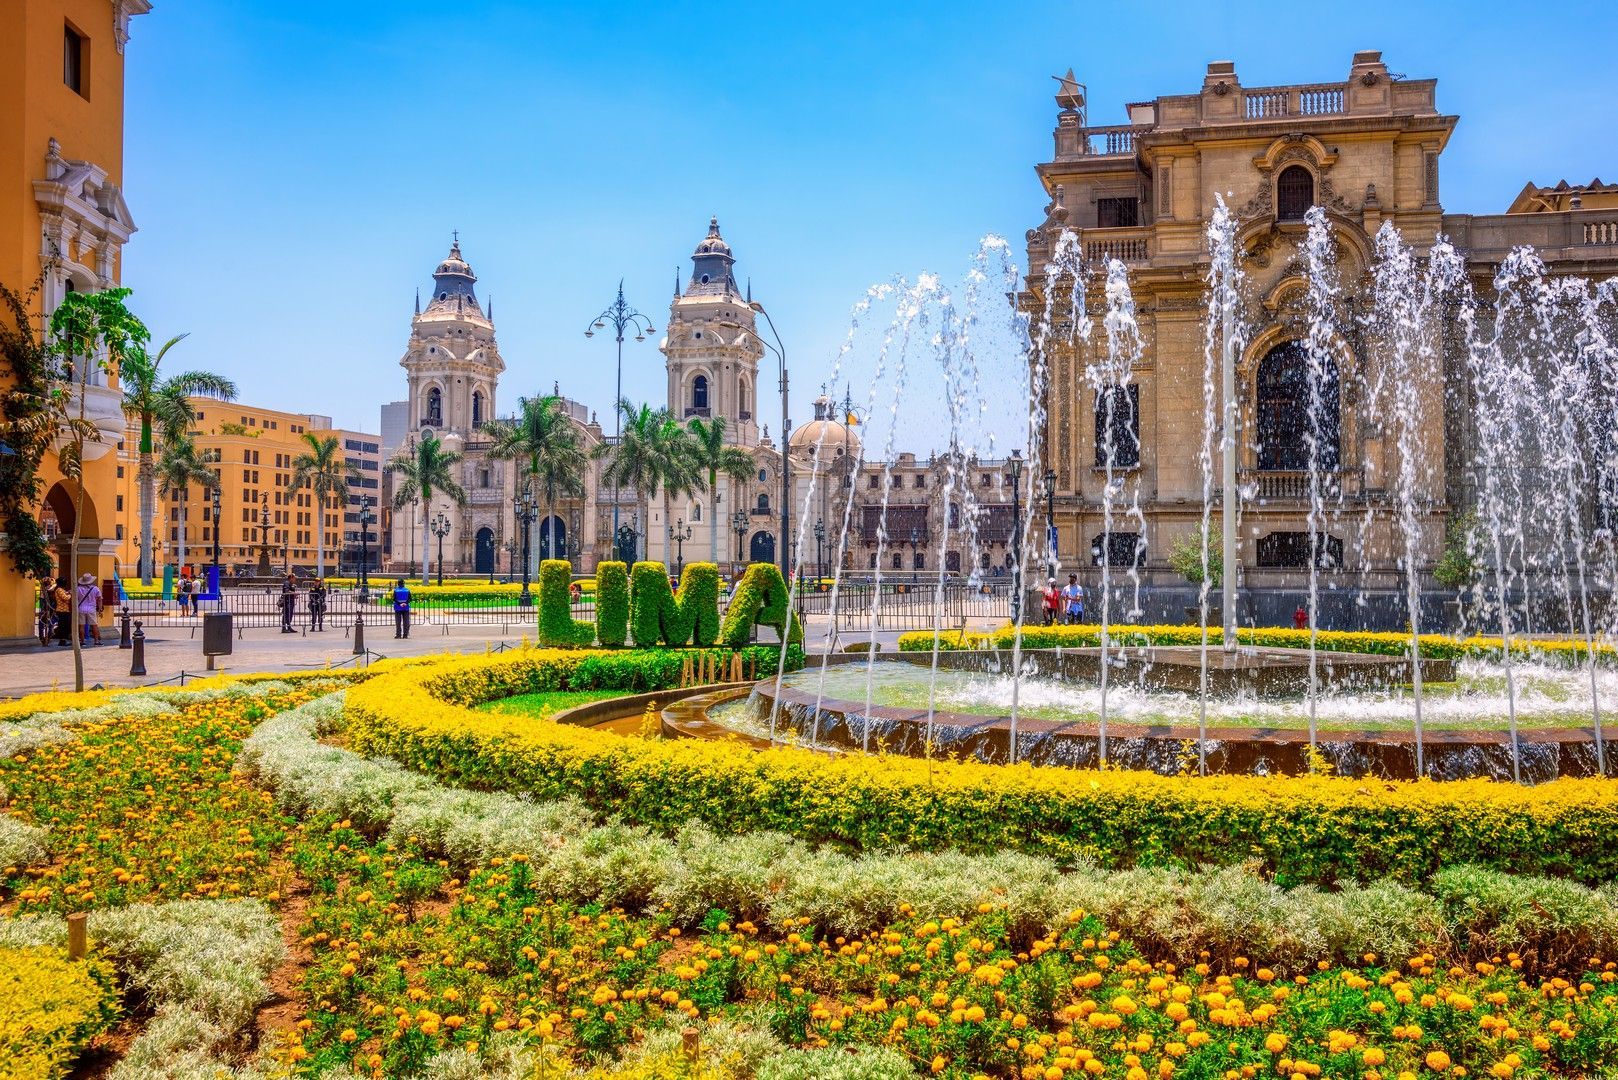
77	939
123	629
690	1044
359	634
137	661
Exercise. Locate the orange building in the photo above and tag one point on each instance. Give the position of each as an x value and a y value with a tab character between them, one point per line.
63	225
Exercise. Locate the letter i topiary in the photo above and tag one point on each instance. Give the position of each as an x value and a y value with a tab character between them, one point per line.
761	597
612	603
557	626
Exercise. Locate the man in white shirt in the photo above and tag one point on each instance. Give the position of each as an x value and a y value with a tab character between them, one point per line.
1072	600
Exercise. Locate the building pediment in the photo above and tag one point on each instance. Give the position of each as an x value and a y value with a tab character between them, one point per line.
1295	146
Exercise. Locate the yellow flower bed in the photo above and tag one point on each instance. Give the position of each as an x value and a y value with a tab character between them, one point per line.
50	1009
1301	828
1433	646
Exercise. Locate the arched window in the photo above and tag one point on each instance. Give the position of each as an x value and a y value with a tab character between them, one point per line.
435	407
873	560
918	560
477	408
763	504
745	405
898	561
952	562
1289	391
954	516
699	394
696	511
1118	426
1294	193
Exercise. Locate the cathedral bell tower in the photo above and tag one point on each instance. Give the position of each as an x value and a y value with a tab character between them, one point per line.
451	360
712	348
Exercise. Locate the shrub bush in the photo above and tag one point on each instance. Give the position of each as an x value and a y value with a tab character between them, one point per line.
657	615
557	626
1299	829
612	608
50	1009
761	598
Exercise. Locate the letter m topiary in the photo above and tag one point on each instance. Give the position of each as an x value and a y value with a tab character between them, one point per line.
657	614
761	598
557	626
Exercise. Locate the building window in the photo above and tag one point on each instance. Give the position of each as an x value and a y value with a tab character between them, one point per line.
1294	193
1117	213
763	504
873	560
898	561
918	560
696	511
76	61
477	410
1118	426
699	393
435	407
1123	549
872	481
920	481
1290	551
1288	420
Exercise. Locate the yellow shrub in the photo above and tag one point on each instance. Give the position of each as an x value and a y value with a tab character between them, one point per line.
50	1009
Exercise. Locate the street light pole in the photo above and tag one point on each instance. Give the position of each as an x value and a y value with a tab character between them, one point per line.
440	527
738	523
366	517
786	434
820	547
679	532
524	507
1014	467
1052	558
216	533
621	316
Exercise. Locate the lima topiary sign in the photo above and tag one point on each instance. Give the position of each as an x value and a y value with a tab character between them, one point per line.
639	602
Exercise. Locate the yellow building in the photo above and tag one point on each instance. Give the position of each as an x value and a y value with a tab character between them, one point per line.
251	451
63	224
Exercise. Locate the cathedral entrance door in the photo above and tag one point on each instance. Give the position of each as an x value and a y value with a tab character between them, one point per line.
552	538
762	549
483	552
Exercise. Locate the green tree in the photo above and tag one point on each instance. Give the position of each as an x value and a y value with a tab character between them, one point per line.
326	473
1458	565
1187	555
425	469
654	454
546	445
178	468
715	458
160	404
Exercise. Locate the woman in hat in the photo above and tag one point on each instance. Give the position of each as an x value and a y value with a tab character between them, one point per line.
89	598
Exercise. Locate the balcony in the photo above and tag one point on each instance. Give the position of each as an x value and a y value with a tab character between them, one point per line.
697	410
1125	245
1285	102
1292	486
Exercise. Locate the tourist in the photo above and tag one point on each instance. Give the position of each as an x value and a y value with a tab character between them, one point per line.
47	609
63	602
187	587
89	610
1300	618
1073	600
401	610
317	605
289	603
1053	602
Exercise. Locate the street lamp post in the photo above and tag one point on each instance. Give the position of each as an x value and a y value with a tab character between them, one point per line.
915	542
1052	557
215	496
621	317
525	509
511	559
679	532
440	527
366	518
786	440
820	547
738	524
1014	467
264	537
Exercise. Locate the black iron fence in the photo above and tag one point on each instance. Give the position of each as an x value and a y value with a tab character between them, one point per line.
256	607
909	604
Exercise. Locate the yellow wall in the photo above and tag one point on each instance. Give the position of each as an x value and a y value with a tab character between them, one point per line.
39	106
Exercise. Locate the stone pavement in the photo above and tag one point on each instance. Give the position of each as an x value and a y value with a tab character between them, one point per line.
173	650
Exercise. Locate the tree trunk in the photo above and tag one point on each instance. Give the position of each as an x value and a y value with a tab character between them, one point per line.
320	536
713	518
426	548
179	550
148	497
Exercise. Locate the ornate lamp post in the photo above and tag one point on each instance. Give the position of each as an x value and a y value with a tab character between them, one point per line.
525	509
1052	555
820	547
916	538
679	532
215	496
1014	468
511	559
264	537
440	527
366	518
620	316
738	524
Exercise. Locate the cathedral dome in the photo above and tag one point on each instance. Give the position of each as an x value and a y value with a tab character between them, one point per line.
713	243
831	434
455	266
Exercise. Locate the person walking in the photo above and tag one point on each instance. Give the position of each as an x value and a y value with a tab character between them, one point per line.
62	601
401	610
317	605
89	598
47	609
1053	602
289	604
1073	600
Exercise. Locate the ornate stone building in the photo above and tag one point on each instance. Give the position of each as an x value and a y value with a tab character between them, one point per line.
1367	150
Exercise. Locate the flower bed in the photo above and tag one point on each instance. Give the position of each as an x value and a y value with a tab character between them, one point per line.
1300	828
1088	635
50	1009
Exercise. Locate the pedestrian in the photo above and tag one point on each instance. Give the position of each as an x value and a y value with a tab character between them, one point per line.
89	610
1300	618
1053	602
1073	600
47	609
317	605
289	604
401	610
63	602
186	589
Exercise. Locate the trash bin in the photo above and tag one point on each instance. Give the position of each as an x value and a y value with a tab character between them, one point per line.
216	634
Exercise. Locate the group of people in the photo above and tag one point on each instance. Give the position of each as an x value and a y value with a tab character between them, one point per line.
56	604
289	604
1066	604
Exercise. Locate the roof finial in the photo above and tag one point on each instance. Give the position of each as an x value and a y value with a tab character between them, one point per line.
749	288
713	225
556	388
418	299
676	282
491	309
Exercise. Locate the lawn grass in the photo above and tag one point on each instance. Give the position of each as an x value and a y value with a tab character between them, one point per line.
547	703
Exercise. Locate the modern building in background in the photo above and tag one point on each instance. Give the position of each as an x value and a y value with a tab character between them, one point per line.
63	225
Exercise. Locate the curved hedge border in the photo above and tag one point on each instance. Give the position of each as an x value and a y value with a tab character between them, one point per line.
1301	829
1088	635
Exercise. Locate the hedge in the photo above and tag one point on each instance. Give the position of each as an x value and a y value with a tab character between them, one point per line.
761	599
612	612
557	626
1300	829
1088	635
50	1009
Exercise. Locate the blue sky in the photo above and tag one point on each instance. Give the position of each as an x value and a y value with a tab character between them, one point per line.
296	168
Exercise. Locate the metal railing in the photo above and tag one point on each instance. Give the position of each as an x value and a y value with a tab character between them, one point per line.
1272	102
259	608
907	605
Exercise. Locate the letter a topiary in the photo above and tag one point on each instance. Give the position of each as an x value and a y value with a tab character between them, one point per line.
557	626
761	598
612	603
657	614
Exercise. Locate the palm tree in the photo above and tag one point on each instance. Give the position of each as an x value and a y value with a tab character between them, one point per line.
653	452
177	470
425	469
156	402
326	473
708	446
545	442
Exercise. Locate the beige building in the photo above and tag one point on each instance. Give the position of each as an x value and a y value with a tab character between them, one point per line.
1367	149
